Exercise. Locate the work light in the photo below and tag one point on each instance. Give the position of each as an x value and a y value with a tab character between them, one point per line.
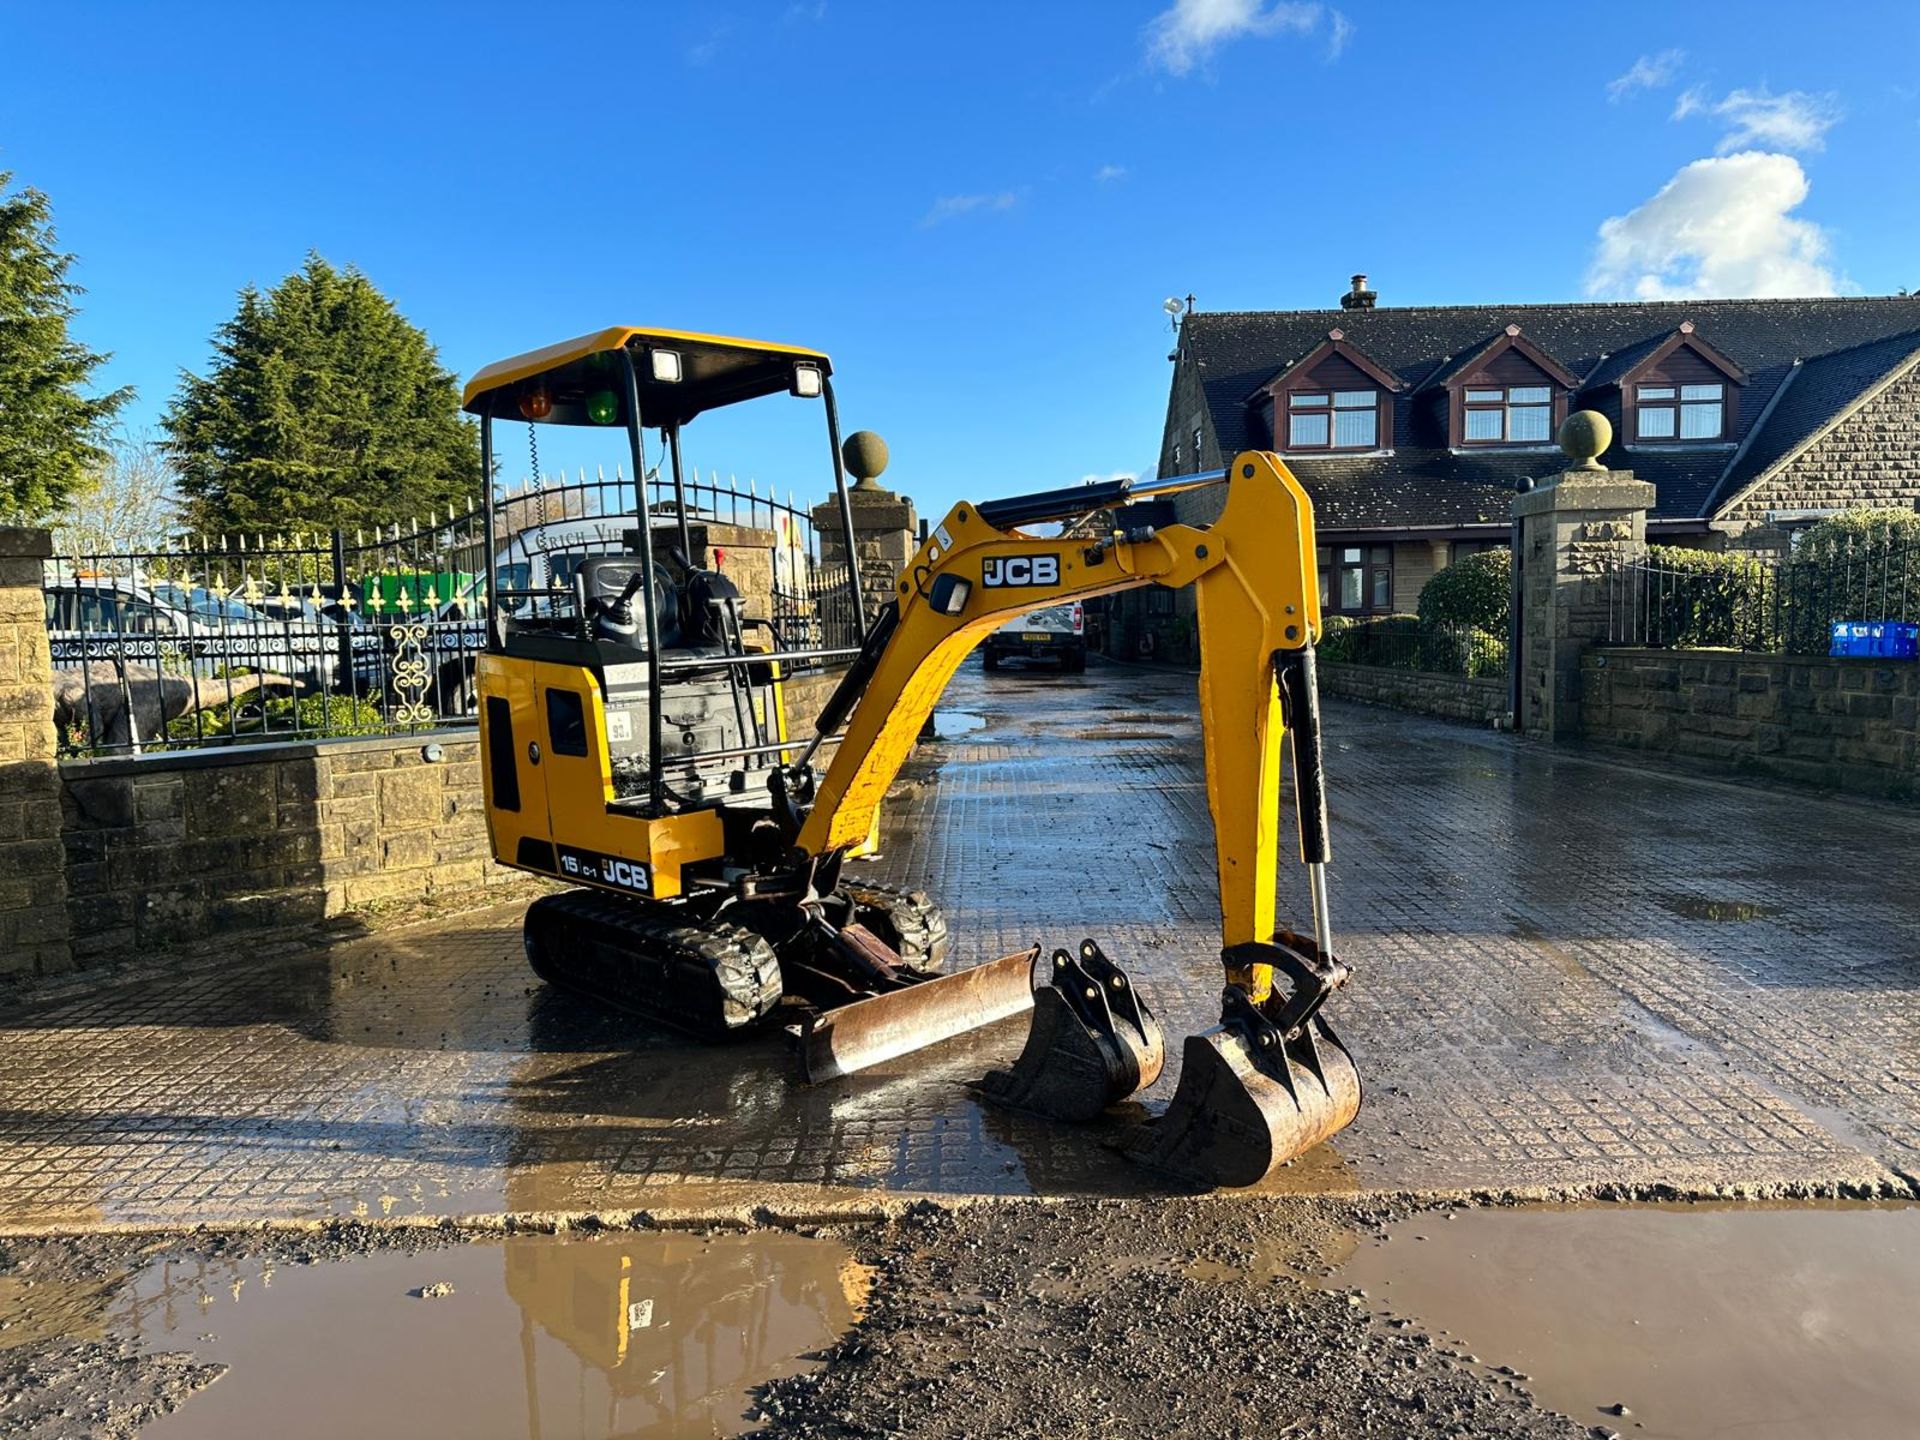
666	366
806	381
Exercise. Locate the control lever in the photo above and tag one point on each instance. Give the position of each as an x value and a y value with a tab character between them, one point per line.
614	619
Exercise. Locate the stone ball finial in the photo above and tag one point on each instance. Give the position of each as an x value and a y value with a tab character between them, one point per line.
1585	436
865	456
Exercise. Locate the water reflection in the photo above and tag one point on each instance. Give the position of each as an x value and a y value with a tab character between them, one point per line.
657	1335
665	1339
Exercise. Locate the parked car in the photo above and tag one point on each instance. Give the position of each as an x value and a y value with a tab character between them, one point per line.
1053	632
102	619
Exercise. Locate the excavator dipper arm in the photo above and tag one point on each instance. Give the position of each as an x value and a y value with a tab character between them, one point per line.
1254	582
1253	573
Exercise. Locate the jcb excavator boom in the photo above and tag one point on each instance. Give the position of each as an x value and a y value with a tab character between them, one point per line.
1270	1080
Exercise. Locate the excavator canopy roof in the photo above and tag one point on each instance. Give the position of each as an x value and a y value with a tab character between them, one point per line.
578	381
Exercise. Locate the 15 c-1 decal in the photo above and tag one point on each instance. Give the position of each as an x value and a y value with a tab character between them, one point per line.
1005	571
597	869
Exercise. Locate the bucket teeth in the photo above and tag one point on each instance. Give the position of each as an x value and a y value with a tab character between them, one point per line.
1250	1099
1093	1042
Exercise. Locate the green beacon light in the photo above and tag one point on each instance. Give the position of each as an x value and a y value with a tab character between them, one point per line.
602	407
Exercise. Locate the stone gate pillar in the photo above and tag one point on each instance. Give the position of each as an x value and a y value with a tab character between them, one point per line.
1574	528
885	529
34	927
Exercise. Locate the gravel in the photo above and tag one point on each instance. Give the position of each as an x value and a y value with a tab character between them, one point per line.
1103	1318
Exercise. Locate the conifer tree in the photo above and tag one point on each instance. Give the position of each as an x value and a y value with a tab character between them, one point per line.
324	407
52	432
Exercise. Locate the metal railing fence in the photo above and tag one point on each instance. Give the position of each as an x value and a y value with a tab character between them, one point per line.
223	640
1774	605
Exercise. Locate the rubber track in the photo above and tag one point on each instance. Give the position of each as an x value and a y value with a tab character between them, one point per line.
711	980
920	926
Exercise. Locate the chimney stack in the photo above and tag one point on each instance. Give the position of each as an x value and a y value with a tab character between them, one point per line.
1359	297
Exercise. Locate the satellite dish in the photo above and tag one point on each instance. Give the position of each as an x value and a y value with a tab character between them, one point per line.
1173	305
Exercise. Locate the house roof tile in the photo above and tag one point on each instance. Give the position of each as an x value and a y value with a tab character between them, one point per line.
1237	351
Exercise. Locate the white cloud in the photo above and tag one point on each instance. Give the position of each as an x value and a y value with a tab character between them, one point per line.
951	207
704	49
814	11
1793	121
1649	72
1722	226
1187	33
1107	174
1339	32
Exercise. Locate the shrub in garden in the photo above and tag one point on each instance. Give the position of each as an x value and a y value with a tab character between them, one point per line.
254	719
1336	638
1860	529
1463	650
1407	642
1475	590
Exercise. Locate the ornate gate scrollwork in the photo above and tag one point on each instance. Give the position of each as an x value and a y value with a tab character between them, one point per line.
409	669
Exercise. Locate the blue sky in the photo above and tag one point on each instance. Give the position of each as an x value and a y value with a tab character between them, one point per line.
976	209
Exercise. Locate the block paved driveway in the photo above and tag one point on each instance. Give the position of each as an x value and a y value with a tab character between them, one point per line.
1568	972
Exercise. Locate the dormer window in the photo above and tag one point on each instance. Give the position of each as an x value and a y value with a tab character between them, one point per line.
1508	415
1333	398
1677	389
1333	420
1681	412
1508	391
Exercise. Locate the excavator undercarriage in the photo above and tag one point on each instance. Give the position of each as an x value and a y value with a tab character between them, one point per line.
636	744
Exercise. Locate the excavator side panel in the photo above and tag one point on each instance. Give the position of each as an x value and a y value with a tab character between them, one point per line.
562	821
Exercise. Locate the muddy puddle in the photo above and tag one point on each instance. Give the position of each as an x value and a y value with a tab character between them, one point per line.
1706	1324
652	1336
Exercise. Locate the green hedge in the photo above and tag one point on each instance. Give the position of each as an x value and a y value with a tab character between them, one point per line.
1475	590
1407	642
1857	529
1705	599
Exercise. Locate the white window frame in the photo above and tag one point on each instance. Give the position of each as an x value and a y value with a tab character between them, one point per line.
1678	403
1330	405
1497	401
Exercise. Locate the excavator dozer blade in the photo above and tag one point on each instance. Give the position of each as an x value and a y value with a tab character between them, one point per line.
867	1032
1243	1108
1093	1041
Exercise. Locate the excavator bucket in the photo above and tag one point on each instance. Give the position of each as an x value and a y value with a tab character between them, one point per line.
1250	1098
1093	1041
897	1022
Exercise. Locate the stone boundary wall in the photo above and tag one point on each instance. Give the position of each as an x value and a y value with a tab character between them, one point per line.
164	850
1453	697
1845	724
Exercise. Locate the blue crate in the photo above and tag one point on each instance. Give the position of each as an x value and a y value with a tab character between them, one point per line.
1876	639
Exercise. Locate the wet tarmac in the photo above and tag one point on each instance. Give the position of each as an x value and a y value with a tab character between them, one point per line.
1672	1323
639	1336
1568	974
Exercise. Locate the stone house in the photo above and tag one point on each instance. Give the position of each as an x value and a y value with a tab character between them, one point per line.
1410	427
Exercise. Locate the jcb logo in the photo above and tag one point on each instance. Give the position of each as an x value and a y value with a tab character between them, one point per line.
1001	572
592	866
627	874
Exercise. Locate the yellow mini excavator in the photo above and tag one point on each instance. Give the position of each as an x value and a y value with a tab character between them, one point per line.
635	743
